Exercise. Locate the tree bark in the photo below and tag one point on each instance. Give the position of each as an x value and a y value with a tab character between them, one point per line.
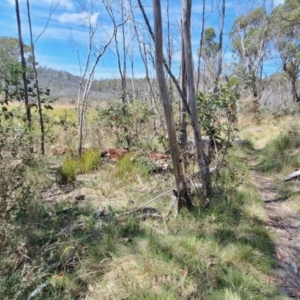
201	157
220	50
36	83
159	64
182	136
201	44
23	62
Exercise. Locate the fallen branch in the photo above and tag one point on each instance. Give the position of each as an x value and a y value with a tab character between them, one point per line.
292	176
37	290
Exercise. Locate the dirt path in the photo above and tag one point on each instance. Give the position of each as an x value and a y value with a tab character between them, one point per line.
284	222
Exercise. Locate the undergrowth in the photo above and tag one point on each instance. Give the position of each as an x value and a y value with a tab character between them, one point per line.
222	252
219	252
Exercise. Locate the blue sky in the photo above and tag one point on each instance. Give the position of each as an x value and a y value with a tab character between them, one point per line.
66	37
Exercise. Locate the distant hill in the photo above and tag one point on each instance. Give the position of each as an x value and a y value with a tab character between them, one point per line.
64	85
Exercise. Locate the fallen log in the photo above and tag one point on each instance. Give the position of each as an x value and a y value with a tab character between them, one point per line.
292	176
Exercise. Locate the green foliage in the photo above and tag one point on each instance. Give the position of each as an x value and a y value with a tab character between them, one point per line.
218	111
248	32
128	121
286	30
209	47
225	248
10	66
250	39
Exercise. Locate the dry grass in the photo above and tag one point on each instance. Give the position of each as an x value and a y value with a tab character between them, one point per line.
260	133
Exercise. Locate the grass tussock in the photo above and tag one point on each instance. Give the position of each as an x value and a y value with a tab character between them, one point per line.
89	160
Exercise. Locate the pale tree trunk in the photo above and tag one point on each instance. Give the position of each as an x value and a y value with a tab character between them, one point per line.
144	56
220	50
159	63
36	82
201	157
169	49
23	62
131	52
200	46
182	136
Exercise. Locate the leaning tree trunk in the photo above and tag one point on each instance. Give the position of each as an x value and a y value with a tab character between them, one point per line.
174	149
201	157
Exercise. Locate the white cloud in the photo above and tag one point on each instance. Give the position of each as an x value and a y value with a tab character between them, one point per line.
78	18
67	4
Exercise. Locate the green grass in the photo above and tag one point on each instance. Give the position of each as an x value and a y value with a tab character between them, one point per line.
222	251
129	167
71	166
282	152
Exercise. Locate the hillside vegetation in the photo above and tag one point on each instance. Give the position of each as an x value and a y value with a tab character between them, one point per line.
63	246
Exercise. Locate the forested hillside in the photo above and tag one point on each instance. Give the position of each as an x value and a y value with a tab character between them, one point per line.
64	85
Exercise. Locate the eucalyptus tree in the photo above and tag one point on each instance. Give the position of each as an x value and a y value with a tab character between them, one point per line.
167	105
201	44
250	39
189	104
145	47
208	54
188	57
220	44
286	38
